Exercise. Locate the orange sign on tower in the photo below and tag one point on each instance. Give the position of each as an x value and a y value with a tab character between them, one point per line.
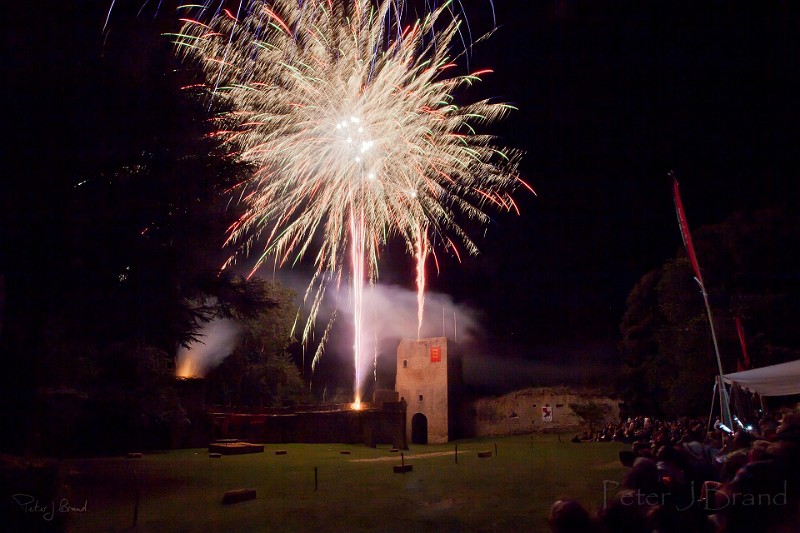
436	354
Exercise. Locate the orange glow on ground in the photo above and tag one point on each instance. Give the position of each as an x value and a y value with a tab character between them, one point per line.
187	368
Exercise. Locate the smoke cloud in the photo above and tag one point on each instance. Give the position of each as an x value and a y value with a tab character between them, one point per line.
217	340
389	314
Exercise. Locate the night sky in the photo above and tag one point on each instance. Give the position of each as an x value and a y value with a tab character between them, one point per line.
611	97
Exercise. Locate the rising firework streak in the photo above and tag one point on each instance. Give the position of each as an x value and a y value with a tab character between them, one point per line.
348	120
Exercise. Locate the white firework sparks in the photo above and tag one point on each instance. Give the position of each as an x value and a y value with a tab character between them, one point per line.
349	122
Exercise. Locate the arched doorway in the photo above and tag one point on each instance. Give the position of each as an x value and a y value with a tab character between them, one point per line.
419	429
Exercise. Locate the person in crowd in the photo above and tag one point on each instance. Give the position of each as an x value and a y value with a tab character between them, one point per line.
756	499
683	479
625	513
569	516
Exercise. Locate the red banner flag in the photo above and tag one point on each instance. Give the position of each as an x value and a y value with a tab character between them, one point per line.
687	237
740	331
436	354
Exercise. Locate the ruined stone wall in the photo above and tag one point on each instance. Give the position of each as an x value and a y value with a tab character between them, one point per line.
522	411
422	376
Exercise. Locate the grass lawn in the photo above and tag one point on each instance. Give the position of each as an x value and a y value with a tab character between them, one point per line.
182	490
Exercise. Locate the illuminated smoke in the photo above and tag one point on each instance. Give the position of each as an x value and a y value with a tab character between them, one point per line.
390	313
217	341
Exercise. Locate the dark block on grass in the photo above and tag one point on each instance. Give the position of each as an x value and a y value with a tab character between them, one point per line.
134	455
345	452
280	452
393	450
485	453
215	455
402	469
238	495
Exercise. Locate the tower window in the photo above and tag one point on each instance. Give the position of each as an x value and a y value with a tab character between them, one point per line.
420	397
405	363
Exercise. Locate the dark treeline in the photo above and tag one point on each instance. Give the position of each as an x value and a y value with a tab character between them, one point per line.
750	270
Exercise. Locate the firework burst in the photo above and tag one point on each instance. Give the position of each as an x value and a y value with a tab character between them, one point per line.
348	120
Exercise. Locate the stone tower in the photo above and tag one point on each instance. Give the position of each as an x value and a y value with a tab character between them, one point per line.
423	375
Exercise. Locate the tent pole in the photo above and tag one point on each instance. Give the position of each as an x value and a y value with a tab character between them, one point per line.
713	399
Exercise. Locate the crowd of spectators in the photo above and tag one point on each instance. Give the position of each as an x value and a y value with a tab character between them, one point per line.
685	479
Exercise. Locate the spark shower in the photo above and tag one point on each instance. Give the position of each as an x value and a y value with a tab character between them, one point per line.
345	112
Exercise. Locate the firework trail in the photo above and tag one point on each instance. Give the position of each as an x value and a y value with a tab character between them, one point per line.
348	120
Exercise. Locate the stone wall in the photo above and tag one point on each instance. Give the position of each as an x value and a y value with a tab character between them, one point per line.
369	426
522	411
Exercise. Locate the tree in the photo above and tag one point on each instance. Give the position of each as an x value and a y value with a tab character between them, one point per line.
592	414
134	399
639	343
106	240
261	371
667	351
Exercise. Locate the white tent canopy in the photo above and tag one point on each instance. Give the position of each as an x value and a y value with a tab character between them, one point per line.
775	380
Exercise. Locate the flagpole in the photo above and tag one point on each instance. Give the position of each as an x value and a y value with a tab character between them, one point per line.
710	414
723	393
725	409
